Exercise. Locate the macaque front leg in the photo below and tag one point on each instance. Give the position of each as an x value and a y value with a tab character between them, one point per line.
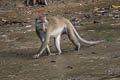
43	47
42	38
48	50
44	2
57	44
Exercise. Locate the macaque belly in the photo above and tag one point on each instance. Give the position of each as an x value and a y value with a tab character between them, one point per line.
57	32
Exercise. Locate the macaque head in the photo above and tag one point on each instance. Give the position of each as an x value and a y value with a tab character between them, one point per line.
41	22
41	19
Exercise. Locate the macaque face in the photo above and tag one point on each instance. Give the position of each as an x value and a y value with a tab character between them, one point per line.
41	22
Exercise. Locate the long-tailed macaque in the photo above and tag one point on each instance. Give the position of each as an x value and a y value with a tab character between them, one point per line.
34	2
54	26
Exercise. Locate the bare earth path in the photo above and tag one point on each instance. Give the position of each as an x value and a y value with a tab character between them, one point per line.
18	42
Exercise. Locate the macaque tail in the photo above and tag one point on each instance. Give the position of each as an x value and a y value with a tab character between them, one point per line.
83	40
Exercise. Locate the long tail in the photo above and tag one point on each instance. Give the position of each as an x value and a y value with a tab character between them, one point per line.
83	40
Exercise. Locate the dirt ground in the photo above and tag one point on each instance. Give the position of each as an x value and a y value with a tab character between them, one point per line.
94	20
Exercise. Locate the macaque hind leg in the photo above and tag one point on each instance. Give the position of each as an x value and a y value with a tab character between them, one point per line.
34	2
27	2
74	39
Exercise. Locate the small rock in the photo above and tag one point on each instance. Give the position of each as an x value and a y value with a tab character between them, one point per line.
67	12
115	57
87	16
91	30
4	20
93	52
4	36
12	76
69	67
116	16
53	61
96	9
80	4
28	26
75	19
35	64
91	61
28	31
95	22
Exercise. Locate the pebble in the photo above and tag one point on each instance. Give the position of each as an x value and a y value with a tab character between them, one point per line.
69	67
53	61
29	26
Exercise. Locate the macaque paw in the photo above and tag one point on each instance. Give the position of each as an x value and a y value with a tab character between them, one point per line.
36	56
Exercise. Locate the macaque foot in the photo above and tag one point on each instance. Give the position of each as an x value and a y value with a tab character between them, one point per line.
54	54
36	56
77	48
58	53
